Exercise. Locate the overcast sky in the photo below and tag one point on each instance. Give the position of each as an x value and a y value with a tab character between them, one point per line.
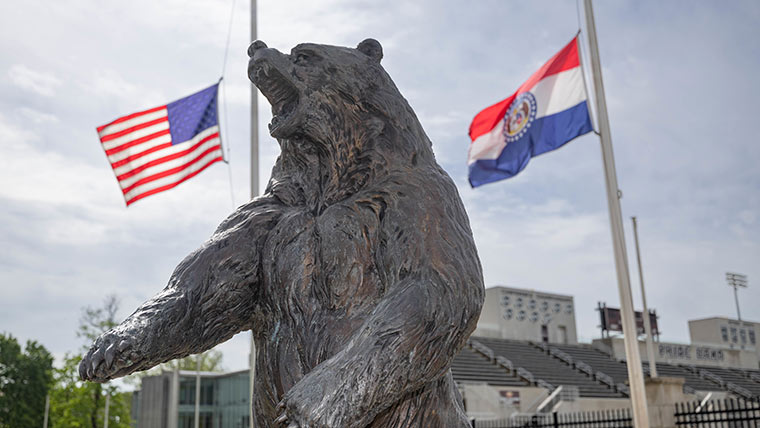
682	91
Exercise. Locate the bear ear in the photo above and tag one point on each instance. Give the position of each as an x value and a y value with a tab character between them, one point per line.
371	48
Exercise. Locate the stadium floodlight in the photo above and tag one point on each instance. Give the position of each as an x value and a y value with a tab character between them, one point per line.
736	280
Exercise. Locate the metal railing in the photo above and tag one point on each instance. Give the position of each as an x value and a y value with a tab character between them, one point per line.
585	368
718	413
558	353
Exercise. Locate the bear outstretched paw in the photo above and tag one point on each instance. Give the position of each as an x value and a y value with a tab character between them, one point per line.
111	356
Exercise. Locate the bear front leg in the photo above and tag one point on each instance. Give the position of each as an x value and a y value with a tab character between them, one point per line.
211	296
407	342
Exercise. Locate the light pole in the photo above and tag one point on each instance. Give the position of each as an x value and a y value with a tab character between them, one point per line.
645	311
736	280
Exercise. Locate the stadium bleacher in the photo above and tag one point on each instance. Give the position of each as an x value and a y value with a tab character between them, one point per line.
598	360
471	366
548	368
735	376
603	362
550	363
691	380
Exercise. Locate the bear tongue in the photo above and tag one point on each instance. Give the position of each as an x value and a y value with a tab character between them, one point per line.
281	112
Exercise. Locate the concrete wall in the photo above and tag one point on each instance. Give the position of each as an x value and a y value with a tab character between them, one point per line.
513	313
594	404
483	401
662	395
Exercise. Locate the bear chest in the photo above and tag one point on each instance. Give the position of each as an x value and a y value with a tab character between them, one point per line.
322	262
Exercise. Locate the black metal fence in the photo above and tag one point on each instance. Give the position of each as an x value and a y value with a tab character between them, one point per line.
719	414
620	418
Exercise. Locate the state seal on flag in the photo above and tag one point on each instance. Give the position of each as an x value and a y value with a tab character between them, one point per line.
519	116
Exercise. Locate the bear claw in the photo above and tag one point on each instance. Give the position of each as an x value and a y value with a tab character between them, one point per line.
82	372
110	354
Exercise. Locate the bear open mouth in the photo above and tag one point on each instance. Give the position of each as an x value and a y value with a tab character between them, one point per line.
281	93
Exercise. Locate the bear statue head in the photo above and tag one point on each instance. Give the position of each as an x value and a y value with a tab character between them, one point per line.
338	105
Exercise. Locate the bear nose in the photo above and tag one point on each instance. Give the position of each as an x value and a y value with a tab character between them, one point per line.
258	44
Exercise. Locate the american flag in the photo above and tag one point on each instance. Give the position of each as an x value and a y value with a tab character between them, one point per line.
157	149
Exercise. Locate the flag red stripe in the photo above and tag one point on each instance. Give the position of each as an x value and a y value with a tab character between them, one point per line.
171	171
135	156
484	121
123	132
563	60
140	140
171	185
130	116
166	158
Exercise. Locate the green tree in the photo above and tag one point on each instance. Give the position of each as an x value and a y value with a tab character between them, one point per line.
74	403
96	321
25	380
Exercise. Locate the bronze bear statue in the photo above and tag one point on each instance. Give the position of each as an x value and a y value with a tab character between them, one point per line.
356	270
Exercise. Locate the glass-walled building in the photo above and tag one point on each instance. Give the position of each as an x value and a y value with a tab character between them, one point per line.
168	400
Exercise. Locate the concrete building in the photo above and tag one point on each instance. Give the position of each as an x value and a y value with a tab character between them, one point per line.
725	333
168	400
523	314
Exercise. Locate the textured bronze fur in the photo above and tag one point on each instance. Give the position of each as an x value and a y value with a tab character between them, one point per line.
356	270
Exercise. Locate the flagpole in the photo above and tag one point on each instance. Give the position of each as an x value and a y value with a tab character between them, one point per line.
254	193
645	309
635	373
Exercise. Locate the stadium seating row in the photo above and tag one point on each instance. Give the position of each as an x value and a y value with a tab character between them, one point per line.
504	362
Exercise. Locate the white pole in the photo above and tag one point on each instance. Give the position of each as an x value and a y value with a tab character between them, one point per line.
254	193
173	417
196	424
635	373
645	313
108	404
47	410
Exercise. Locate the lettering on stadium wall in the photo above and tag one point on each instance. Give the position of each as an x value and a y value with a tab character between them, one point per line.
684	352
